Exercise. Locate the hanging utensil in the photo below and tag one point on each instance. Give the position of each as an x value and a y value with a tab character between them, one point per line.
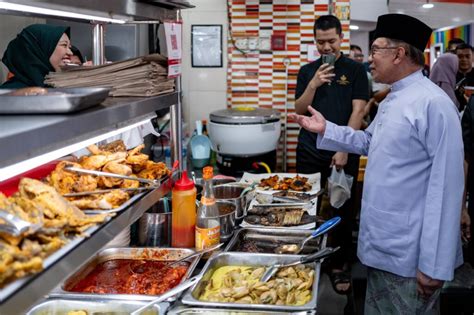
303	260
177	289
322	229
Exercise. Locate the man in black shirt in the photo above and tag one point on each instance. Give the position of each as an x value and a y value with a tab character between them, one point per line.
340	93
465	75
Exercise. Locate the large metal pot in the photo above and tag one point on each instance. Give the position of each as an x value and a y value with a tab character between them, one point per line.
233	193
226	219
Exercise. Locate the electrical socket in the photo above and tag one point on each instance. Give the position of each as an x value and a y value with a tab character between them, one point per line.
253	43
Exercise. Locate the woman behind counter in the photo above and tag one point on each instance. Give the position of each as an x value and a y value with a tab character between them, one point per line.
36	51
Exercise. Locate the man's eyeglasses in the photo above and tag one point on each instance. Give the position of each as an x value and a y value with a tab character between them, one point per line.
376	49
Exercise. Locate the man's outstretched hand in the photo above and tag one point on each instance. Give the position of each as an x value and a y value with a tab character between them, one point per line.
316	123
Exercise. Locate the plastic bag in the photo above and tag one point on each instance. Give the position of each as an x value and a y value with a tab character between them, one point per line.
339	186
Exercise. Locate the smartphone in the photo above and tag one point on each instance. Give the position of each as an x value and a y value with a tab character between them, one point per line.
329	59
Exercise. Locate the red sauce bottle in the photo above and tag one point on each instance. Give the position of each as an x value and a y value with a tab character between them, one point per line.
183	203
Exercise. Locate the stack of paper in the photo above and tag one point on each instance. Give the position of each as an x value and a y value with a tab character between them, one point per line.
143	76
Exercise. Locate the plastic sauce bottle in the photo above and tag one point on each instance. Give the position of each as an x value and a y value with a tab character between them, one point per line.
183	203
207	225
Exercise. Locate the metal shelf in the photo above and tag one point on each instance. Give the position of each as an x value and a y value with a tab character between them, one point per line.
25	136
35	289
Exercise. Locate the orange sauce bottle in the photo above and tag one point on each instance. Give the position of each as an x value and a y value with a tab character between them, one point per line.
183	203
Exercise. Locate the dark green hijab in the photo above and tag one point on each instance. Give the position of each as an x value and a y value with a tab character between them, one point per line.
27	56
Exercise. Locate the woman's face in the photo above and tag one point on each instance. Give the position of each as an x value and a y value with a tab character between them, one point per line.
62	54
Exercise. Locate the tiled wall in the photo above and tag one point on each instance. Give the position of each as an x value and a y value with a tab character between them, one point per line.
260	78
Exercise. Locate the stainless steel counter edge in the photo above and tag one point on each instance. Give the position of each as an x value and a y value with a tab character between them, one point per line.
26	136
33	291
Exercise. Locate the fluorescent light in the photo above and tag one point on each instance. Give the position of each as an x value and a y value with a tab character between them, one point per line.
23	166
51	12
428	5
353	27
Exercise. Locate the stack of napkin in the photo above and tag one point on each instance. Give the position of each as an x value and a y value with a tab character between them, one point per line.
142	76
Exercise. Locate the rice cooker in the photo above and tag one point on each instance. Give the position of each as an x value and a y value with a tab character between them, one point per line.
244	136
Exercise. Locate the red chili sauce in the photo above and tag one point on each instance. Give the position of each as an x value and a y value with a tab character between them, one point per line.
128	276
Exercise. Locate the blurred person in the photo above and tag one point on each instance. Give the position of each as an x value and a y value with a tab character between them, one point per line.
468	207
444	73
37	50
355	53
409	233
76	57
453	43
340	92
465	75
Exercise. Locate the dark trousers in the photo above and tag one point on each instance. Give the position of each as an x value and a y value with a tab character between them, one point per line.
341	235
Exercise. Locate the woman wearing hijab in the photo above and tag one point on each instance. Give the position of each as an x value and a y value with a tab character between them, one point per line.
36	51
443	74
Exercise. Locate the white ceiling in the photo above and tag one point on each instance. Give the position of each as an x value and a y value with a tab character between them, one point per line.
364	13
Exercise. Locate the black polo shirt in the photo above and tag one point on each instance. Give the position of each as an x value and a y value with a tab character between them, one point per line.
333	101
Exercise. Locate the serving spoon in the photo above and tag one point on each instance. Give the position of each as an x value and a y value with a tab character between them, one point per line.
322	229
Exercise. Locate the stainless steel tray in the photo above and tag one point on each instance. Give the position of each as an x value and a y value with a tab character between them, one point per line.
186	310
268	239
237	259
68	100
172	254
118	209
63	307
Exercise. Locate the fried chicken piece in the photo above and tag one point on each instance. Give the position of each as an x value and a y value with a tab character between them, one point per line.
85	183
97	161
128	183
136	159
154	170
116	168
114	146
63	181
109	200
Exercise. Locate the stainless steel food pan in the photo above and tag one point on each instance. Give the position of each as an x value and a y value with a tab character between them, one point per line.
162	254
267	239
191	297
63	307
59	101
186	310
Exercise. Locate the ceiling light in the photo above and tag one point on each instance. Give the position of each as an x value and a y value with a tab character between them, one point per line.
58	13
428	5
353	27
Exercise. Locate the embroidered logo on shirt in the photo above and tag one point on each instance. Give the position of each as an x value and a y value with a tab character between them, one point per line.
343	80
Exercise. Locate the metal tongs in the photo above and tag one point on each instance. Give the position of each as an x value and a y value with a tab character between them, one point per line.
14	225
152	183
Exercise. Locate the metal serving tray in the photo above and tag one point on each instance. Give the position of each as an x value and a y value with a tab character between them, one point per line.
60	101
171	254
191	296
63	307
183	310
269	239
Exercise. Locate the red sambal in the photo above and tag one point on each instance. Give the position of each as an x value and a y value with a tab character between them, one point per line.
128	276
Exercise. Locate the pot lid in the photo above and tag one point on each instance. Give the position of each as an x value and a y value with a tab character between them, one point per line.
245	115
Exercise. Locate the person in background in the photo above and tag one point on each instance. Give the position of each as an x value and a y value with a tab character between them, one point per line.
465	75
453	43
36	51
340	92
443	75
409	235
76	57
356	54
